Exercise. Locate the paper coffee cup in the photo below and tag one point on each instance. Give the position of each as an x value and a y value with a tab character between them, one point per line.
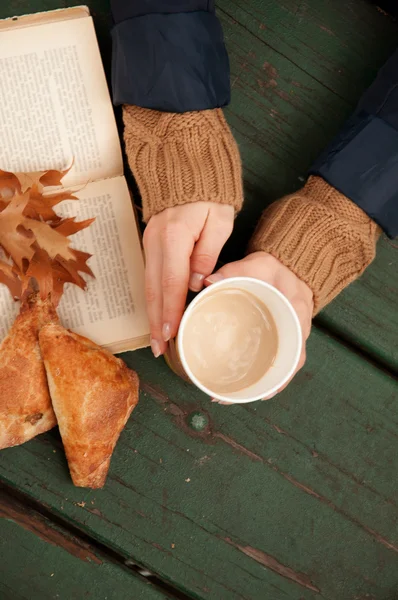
288	348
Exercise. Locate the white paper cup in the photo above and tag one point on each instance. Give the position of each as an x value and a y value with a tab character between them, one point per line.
289	341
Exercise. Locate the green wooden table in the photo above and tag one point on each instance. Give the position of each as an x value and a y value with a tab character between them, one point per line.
292	499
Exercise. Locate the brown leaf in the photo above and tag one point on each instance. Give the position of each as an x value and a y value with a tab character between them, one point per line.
53	177
81	261
48	239
40	206
31	232
40	268
9	180
70	226
9	276
74	267
40	179
60	277
12	237
28	180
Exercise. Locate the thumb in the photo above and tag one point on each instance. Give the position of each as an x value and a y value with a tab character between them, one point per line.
207	250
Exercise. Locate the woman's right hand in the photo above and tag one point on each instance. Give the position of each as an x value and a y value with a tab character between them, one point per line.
182	245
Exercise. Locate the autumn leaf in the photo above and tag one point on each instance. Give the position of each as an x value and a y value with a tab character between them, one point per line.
12	236
41	269
40	179
70	226
60	277
41	205
36	238
15	238
53	177
9	276
54	243
10	181
81	259
76	266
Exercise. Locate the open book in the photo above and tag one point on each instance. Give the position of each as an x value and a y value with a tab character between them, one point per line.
54	109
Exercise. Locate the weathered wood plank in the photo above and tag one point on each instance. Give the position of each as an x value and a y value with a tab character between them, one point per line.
41	561
330	41
366	313
294	498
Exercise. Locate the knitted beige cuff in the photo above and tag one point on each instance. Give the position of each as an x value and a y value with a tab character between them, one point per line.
180	158
323	237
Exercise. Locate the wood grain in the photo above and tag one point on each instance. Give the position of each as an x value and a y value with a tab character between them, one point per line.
290	499
41	561
293	498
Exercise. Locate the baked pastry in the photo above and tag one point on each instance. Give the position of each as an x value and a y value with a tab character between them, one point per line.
25	404
93	394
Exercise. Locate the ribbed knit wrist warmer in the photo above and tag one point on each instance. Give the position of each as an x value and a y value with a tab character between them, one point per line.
180	158
323	237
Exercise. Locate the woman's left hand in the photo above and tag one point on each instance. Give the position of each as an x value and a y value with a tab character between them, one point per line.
267	268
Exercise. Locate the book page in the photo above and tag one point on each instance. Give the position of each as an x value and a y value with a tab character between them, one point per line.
55	107
49	16
112	311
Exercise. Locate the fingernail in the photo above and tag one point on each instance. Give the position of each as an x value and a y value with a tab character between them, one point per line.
166	332
214	278
196	282
155	348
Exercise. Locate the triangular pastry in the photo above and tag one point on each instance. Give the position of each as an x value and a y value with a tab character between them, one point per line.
25	404
93	394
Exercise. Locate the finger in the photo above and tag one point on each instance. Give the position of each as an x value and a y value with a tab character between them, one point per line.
153	291
177	246
217	230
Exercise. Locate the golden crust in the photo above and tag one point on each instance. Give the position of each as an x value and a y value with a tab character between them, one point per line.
93	394
25	404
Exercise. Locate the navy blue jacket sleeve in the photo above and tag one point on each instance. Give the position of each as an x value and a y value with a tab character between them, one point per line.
362	160
169	55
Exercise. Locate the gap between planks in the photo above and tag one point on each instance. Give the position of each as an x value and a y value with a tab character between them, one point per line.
372	359
21	509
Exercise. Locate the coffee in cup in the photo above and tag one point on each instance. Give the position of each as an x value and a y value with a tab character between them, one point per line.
239	341
230	340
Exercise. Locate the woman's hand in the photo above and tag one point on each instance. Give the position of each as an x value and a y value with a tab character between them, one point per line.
182	245
264	266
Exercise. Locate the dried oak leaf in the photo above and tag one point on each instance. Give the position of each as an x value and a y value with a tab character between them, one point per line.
38	179
76	266
13	238
60	277
17	241
41	269
9	181
10	277
41	205
36	238
70	226
48	239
